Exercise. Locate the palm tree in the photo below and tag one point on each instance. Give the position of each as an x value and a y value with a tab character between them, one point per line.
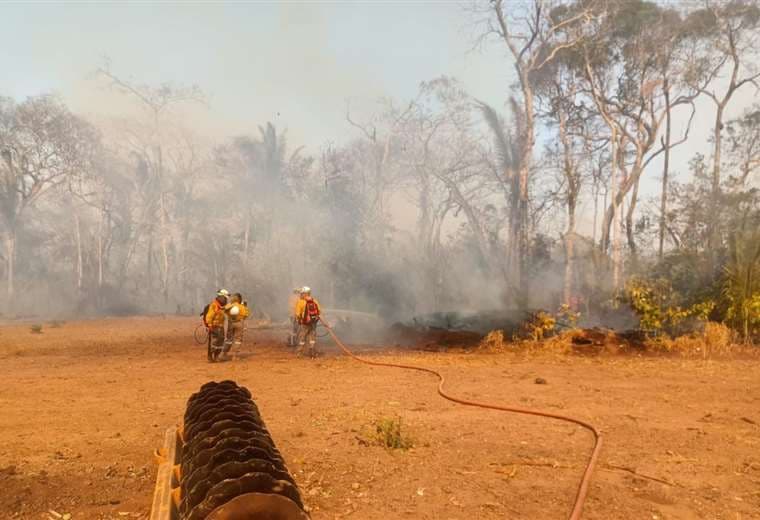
507	149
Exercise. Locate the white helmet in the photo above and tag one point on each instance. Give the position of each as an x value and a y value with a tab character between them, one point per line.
305	290
222	292
234	310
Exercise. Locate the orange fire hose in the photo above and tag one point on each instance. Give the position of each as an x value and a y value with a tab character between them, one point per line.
580	496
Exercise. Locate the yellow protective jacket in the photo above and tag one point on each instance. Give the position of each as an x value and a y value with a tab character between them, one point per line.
293	304
243	313
301	308
215	315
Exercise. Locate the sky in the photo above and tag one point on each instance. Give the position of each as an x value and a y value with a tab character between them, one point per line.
294	64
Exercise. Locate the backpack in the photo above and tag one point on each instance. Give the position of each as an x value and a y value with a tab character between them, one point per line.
311	313
204	312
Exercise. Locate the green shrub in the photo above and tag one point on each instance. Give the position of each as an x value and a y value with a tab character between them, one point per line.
388	433
657	305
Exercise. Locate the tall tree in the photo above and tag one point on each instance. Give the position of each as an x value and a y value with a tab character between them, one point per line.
534	39
620	62
42	145
744	137
148	147
725	44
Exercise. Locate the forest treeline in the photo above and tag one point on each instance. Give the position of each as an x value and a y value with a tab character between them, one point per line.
537	203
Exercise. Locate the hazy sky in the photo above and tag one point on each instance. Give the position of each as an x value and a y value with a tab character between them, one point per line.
293	63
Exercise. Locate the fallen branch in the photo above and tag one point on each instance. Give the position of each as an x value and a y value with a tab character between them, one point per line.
612	467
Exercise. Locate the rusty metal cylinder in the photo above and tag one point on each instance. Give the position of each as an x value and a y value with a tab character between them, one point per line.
230	467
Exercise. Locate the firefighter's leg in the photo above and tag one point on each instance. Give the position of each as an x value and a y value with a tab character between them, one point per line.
293	339
229	337
237	334
218	342
209	338
303	330
311	337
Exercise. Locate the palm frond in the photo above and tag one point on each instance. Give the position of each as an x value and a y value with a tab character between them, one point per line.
502	139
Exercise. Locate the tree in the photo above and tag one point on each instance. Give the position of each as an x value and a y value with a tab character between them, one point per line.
575	143
148	148
724	43
742	285
621	64
744	137
42	146
534	38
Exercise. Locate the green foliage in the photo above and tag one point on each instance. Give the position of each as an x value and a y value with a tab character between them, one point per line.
389	435
656	304
742	281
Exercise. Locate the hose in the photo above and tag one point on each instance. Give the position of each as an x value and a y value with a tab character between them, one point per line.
580	496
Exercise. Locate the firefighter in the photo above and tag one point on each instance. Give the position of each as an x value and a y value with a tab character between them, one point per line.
293	300
308	314
214	320
224	293
237	312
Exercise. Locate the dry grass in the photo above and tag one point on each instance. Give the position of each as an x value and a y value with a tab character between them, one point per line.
494	341
558	344
716	340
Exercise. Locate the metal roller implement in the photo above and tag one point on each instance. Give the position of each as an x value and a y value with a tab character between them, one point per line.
222	464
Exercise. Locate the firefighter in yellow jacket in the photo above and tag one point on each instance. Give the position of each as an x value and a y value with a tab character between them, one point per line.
214	320
293	300
237	312
308	314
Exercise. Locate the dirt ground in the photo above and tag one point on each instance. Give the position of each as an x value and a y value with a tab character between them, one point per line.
83	406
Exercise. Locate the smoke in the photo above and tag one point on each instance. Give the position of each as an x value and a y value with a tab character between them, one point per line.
400	219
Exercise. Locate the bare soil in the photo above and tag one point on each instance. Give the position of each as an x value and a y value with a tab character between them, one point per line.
83	406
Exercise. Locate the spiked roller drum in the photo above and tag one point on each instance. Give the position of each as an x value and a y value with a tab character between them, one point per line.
222	464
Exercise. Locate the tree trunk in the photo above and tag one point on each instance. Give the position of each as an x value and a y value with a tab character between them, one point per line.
10	251
629	225
616	257
713	237
166	273
149	281
665	170
526	161
596	213
617	247
569	255
571	176
78	236
99	299
246	238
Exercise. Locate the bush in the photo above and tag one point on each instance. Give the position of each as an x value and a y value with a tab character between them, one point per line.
493	341
714	340
540	325
389	435
36	329
658	306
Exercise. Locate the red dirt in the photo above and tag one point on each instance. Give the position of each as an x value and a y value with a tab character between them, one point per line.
83	406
